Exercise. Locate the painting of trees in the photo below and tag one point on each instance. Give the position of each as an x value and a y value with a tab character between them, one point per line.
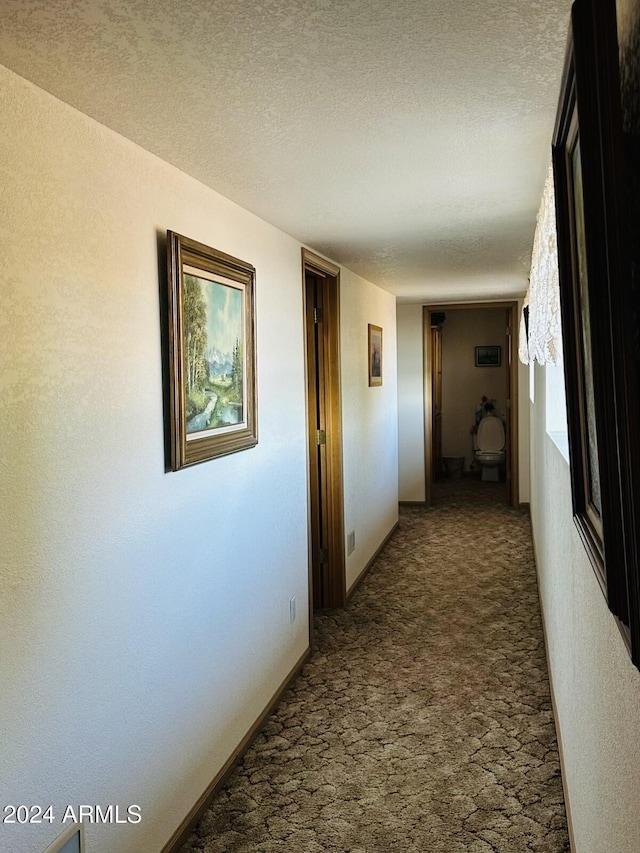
211	393
214	354
195	324
195	317
236	370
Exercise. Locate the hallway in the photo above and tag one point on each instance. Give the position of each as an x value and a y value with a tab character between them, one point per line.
423	722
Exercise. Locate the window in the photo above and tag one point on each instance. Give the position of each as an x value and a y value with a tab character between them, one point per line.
556	404
597	306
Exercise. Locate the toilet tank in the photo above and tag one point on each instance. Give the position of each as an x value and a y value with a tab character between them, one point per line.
490	434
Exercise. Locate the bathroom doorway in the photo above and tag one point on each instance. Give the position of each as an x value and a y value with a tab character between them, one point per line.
470	354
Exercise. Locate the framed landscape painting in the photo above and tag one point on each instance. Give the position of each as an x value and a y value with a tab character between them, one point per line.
212	388
375	355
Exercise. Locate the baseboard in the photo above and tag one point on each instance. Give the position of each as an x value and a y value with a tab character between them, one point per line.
363	573
412	503
567	802
187	826
525	506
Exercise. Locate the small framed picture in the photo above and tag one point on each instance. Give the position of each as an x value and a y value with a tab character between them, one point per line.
375	355
488	356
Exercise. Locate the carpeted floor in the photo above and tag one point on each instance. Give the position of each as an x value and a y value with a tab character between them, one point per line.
423	722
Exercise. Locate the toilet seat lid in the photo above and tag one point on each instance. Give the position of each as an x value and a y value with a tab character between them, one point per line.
490	434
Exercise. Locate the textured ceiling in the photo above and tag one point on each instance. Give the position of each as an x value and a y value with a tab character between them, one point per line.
406	139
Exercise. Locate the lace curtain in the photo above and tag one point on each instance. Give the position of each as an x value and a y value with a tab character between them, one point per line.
542	343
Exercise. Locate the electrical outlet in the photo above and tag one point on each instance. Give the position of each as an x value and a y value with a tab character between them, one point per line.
292	610
351	542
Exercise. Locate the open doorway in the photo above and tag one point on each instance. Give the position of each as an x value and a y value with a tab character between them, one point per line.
321	290
470	355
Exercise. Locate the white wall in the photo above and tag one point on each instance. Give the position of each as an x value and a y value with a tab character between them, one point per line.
145	616
410	403
464	384
370	420
597	690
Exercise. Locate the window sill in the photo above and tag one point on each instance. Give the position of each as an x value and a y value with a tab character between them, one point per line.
561	441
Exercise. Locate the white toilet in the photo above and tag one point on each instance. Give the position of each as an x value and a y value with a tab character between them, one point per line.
490	441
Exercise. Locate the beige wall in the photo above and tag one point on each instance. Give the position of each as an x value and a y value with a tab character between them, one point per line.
597	689
464	384
145	616
370	420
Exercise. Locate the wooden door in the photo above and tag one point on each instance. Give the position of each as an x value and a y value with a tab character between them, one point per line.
436	355
317	408
326	534
509	461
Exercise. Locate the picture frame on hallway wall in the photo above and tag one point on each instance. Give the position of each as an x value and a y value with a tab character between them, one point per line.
596	307
212	395
375	355
488	356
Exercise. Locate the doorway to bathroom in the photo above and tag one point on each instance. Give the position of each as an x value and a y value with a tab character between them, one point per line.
470	372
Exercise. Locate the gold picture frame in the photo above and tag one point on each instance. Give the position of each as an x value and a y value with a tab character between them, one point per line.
211	350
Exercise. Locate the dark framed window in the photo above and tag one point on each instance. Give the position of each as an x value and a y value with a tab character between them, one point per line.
597	305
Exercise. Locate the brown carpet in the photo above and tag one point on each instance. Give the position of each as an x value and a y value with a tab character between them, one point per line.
423	722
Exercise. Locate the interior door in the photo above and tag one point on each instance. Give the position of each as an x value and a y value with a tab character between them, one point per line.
316	364
436	354
321	284
508	408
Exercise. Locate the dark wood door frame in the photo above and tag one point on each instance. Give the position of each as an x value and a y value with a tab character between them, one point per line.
435	340
321	295
511	353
